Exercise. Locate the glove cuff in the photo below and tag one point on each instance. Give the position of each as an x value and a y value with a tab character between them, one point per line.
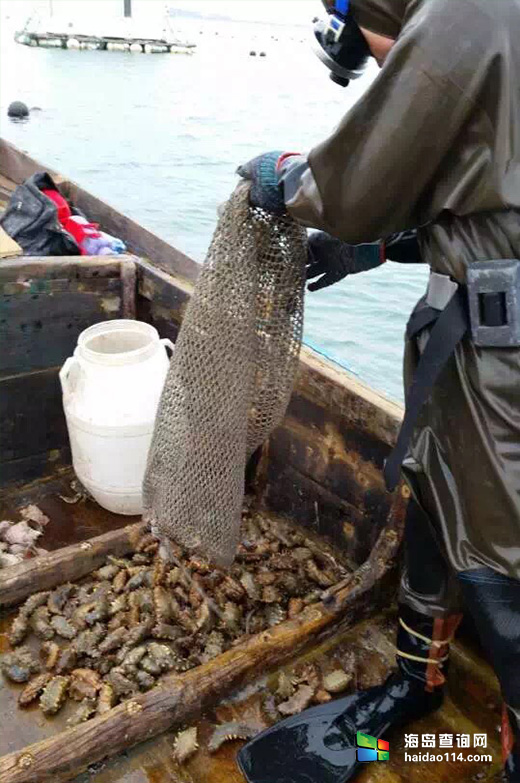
281	160
369	256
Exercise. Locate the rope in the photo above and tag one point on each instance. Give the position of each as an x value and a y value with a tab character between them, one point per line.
432	642
436	661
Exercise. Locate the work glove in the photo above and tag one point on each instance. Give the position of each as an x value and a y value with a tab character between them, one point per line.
333	259
266	190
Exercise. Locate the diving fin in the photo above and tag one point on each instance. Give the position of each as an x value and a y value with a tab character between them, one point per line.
317	745
320	744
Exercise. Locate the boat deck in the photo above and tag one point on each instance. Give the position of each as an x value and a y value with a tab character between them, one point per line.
366	650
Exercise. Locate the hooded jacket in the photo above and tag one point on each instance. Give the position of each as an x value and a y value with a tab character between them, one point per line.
434	144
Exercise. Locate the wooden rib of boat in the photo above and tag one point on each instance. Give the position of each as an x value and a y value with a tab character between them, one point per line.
321	469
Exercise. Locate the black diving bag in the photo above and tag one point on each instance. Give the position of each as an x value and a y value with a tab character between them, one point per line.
31	219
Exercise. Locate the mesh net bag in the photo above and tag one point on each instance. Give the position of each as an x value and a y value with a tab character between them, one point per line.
230	378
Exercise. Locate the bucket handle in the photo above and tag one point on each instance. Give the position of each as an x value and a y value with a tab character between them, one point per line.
65	372
168	344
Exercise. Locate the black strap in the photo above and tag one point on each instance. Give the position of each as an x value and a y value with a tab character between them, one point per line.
420	320
450	326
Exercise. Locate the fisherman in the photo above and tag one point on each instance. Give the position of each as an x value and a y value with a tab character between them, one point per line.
431	149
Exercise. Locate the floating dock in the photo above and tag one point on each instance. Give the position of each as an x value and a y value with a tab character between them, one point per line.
103	43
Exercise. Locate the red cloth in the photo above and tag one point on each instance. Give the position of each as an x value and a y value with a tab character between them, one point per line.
79	230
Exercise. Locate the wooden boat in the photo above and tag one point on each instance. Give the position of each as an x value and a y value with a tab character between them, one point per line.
321	469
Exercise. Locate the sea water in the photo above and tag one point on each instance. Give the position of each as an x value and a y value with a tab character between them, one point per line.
160	136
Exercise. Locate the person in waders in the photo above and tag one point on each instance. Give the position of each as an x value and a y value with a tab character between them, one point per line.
425	167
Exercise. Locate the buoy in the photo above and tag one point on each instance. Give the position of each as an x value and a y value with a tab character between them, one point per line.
252	53
73	43
136	48
262	54
50	43
114	46
17	110
155	49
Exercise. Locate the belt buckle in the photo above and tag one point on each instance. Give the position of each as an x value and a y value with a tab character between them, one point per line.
440	290
501	280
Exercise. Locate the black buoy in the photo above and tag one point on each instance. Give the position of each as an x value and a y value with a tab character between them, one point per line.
262	54
17	110
252	53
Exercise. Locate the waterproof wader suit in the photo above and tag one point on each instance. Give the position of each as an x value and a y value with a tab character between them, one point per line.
434	144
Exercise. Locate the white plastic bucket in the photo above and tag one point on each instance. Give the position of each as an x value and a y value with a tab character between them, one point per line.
111	389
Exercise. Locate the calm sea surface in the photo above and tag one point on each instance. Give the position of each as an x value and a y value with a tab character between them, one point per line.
160	137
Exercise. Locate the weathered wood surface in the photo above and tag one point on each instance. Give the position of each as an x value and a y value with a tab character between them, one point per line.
70	563
323	464
364	409
162	300
33	425
129	289
181	698
6	189
18	166
45	303
20	270
40	465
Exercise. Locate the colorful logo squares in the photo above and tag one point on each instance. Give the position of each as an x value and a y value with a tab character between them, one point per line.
372	749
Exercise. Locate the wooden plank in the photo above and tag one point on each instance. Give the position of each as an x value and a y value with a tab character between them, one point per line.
40	330
6	189
35	466
129	289
25	268
181	698
7	184
293	494
32	416
18	166
323	464
332	387
161	300
70	563
46	303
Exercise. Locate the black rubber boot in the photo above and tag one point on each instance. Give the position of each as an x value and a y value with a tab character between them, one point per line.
416	688
494	602
513	767
511	744
320	744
